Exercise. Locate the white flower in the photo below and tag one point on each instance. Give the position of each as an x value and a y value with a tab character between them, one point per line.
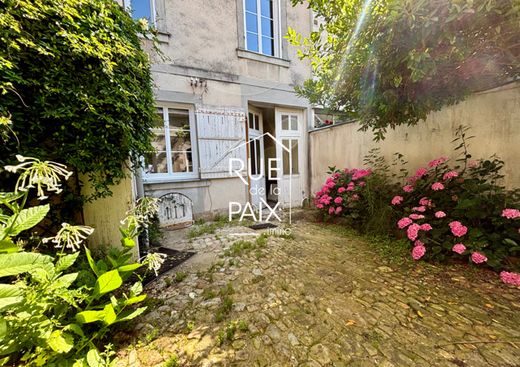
42	175
154	261
70	236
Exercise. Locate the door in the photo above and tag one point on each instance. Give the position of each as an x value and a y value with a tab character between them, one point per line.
289	153
256	156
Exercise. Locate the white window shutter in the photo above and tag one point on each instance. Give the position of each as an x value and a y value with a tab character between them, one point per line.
220	136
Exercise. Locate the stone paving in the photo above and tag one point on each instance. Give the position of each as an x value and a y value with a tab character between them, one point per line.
323	298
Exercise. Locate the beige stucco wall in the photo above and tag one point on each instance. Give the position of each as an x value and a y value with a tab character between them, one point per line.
104	215
494	118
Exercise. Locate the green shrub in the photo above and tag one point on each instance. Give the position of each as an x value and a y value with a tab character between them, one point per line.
76	85
49	315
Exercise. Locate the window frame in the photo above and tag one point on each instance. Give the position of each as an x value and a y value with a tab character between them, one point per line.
127	5
171	176
277	28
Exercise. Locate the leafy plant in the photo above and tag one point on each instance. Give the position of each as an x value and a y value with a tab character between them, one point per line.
391	62
48	317
76	86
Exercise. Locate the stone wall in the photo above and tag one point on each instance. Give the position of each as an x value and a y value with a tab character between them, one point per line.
493	116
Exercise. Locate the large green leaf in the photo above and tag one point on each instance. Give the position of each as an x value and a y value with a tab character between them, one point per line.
130	315
8	246
91	262
64	281
66	262
27	218
10	295
60	342
137	299
110	314
3	329
22	262
129	267
94	358
86	317
107	282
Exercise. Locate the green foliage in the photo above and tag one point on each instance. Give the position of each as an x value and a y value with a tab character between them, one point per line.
76	86
391	62
49	315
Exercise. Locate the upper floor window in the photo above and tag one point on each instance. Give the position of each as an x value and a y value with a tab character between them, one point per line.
174	156
141	9
262	26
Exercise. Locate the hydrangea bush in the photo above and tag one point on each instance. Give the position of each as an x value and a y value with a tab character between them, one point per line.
460	212
448	209
342	194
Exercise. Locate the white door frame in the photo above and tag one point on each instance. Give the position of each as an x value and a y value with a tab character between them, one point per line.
292	183
256	134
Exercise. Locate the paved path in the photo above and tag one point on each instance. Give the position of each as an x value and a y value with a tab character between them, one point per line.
326	299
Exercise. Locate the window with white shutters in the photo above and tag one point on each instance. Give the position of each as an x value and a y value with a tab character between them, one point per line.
221	136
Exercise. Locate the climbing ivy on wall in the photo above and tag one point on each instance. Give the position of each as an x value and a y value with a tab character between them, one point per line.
75	86
391	62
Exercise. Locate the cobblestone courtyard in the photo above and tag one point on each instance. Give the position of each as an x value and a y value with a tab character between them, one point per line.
322	298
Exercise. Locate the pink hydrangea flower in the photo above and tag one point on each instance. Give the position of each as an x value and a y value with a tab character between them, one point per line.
437	162
331	210
408	188
437	186
360	173
478	258
459	248
338	209
511	213
350	186
397	200
425	202
426	227
421	172
416	216
413	231
421	209
458	229
510	278
450	174
319	206
418	252
355	197
404	222
440	214
418	243
341	190
338	200
362	184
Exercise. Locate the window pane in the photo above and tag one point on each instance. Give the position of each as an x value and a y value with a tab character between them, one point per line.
252	156
285	157
251	23
285	122
267	46
294	157
267	27
251	121
294	122
252	42
141	9
251	5
182	161
155	163
267	8
179	119
257	157
257	122
181	151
